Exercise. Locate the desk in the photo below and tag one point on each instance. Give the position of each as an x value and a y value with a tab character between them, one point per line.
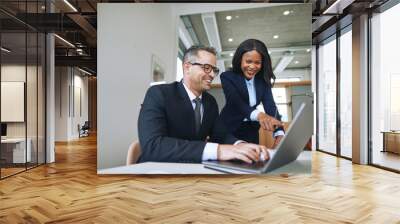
301	166
391	141
15	148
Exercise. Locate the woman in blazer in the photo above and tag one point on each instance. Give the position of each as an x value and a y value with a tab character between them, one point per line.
245	87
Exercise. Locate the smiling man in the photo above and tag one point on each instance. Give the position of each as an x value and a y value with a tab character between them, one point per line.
179	122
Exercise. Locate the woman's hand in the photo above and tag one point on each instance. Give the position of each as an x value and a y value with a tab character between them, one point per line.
267	122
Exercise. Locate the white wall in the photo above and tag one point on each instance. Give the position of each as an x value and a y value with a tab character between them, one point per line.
67	80
61	103
80	115
128	35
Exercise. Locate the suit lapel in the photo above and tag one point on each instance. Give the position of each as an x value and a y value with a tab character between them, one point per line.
258	83
243	87
187	107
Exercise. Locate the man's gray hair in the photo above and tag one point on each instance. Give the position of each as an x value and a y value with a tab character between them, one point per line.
192	52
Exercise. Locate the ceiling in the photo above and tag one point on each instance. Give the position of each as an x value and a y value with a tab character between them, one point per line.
76	24
79	27
294	31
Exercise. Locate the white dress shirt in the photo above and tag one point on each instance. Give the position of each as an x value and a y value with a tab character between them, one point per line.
210	150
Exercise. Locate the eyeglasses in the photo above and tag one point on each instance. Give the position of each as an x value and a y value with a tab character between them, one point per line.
207	68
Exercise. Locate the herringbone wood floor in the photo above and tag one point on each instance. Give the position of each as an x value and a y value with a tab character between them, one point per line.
69	191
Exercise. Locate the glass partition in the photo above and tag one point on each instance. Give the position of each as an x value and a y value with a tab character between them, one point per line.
22	77
13	91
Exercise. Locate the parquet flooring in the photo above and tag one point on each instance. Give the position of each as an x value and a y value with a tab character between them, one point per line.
70	191
10	171
387	159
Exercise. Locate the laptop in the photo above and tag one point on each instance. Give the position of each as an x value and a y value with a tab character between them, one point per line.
290	147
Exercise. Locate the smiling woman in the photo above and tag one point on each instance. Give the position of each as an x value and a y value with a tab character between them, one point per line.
248	84
251	64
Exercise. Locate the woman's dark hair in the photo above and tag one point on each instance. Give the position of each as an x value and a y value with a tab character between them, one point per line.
266	68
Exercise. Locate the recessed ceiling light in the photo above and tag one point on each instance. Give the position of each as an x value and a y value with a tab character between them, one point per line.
230	39
296	62
84	71
5	49
64	40
228	17
70	5
231	54
287	12
236	17
308	50
276	36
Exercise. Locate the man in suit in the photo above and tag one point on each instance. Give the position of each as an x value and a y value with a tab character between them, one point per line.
178	122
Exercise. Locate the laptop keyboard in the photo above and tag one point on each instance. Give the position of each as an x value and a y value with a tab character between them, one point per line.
239	163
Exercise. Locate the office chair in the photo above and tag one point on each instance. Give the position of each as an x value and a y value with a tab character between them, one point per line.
134	152
84	130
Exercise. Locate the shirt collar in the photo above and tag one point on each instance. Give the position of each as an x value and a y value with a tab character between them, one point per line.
190	93
251	81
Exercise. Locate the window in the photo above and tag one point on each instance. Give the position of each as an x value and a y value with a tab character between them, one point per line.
327	96
282	102
385	89
345	93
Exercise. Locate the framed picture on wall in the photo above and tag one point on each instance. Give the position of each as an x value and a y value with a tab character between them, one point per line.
157	71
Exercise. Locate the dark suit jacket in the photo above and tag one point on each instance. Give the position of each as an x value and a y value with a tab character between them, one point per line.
167	126
237	99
